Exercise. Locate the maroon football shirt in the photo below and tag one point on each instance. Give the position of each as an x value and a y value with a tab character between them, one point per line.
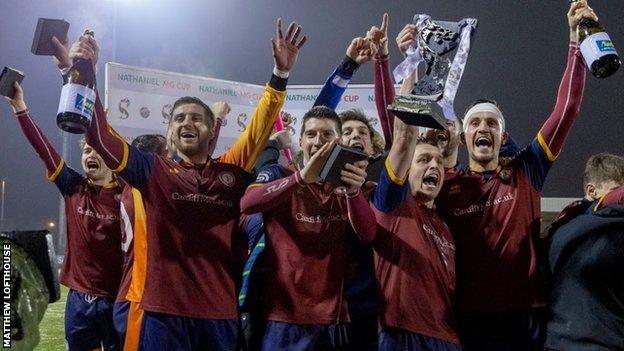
495	221
306	257
495	218
93	258
191	212
415	269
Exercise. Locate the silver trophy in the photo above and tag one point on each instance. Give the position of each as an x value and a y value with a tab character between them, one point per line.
443	47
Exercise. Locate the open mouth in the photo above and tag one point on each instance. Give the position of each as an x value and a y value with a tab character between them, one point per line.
357	145
431	180
187	135
92	165
483	142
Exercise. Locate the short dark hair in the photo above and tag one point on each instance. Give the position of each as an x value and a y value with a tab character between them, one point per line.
321	112
604	167
154	143
356	114
185	100
420	140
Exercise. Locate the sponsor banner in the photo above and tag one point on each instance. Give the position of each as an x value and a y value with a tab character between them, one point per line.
139	101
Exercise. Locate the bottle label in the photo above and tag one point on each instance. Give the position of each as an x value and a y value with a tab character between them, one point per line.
78	99
596	46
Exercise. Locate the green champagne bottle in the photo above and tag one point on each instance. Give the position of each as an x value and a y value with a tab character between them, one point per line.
597	48
77	97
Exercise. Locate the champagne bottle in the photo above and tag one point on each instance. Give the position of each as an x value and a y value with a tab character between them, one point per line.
77	97
597	49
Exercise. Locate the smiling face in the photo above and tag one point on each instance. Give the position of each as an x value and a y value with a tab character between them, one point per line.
191	130
483	136
93	165
356	134
317	132
426	173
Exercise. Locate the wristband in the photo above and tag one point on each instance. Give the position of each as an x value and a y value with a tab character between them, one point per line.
280	73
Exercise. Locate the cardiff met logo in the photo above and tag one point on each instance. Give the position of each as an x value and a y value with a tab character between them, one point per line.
84	105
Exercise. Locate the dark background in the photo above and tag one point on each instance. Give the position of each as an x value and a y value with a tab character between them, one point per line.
517	58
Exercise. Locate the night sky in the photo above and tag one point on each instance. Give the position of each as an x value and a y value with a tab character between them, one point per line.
517	58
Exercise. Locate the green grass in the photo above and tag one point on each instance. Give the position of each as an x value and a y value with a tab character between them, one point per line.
52	327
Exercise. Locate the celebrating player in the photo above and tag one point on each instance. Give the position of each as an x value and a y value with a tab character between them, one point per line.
494	214
414	249
93	259
191	208
306	225
361	301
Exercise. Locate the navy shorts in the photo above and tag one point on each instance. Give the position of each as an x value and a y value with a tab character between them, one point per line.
167	332
89	322
363	333
300	337
514	331
120	320
394	339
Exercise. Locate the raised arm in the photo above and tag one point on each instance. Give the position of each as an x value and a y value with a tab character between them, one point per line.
392	188
250	143
555	130
57	171
131	164
358	53
549	141
405	136
384	85
220	110
270	155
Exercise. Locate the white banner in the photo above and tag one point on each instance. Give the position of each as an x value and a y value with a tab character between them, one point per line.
139	101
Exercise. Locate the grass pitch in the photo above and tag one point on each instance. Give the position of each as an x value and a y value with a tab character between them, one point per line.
52	326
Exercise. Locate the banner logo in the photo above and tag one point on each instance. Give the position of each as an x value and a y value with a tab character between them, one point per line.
123	105
241	120
144	111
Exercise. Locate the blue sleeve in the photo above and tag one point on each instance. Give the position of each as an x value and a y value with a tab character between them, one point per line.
138	168
509	148
270	173
254	229
388	194
270	155
67	180
336	84
535	164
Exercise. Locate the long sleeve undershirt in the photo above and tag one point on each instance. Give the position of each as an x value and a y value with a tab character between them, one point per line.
262	197
384	96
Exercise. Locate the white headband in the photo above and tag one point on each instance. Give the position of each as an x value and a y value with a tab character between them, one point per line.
484	107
